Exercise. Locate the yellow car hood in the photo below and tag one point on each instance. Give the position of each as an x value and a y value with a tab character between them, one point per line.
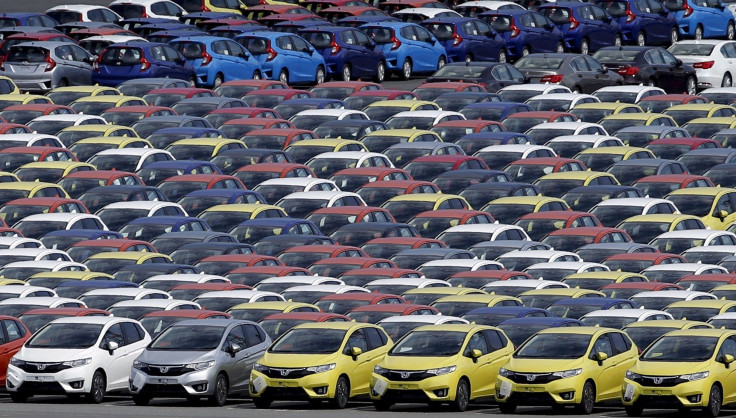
295	360
669	368
416	362
528	365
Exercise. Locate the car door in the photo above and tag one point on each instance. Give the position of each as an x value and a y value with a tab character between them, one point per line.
11	340
499	351
363	363
605	381
727	372
117	367
81	73
658	23
238	361
352	52
599	77
301	62
545	40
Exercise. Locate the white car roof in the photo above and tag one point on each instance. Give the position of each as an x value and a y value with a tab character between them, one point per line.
518	147
59	217
626	313
536	254
590	139
427	113
685	267
296	181
731	90
708	249
77	7
483	228
31	251
125	291
568	265
429	12
319	195
489	4
68	117
10	241
530	283
332	288
566	125
157	303
116	38
628	89
702	42
633	201
473	263
562	96
429	319
51	265
533	87
695	234
329	112
141	204
306	280
19	289
140	152
727	315
673	294
413	281
26	137
186	277
92	319
238	293
48	301
357	155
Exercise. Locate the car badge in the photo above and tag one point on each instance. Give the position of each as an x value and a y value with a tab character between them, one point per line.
657	380
284	372
164	369
41	366
405	375
530	377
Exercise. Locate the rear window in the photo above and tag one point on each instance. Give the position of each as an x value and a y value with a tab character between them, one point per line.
190	50
318	39
129	11
65	16
121	55
256	46
190	6
380	35
442	31
538	63
691	49
558	15
27	54
615	55
501	23
615	8
8	22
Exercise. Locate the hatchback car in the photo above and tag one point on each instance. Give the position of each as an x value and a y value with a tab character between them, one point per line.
42	66
135	60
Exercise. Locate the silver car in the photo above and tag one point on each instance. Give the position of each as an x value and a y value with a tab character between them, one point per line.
199	358
42	66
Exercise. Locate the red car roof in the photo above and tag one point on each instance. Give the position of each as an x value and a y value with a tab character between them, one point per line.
450	213
43	201
490	274
594	231
556	214
273	167
387	93
671	178
139	108
39	107
415	242
5	126
656	257
729	278
400	308
39	150
188	313
329	249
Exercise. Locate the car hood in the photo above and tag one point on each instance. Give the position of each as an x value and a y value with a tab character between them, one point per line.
539	365
669	368
417	362
295	360
174	357
46	355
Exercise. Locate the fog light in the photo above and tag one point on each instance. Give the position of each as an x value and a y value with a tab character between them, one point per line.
440	393
202	387
694	398
78	384
321	390
568	396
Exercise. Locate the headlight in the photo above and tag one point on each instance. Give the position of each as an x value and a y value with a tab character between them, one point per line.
442	370
17	362
201	365
321	369
379	370
632	376
567	373
259	367
694	376
78	363
139	365
503	372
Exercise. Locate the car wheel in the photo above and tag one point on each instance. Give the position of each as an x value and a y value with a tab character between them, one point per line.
577	90
380	72
284	76
262	403
727	80
730	31
62	83
617	40
560	48
99	386
18	397
633	410
502	57
462	396
141	400
507	407
217	81
342	393
219	397
641	39
525	51
346	73
441	62
651	83
256	75
674	36
319	77
587	402
715	399
699	32
382	405
406	69
692	85
585	47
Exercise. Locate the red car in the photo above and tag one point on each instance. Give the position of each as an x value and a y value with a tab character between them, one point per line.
671	148
657	104
155	322
77	183
626	290
218	117
128	115
22	114
430	91
377	193
660	185
17	334
37	318
252	275
387	247
239	128
333	14
522	121
529	170
239	88
330	219
14	128
374	313
222	264
168	97
270	98
637	262
334	267
432	223
275	138
706	282
570	239
305	255
430	166
17	209
345	302
351	179
342	89
253	174
539	224
279	323
178	186
363	98
14	157
479	278
84	249
359	277
190	291
452	130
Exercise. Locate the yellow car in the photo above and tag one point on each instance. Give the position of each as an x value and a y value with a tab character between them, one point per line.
404	207
508	210
202	148
577	366
72	134
557	184
595	280
50	171
7	86
225	217
684	113
459	305
683	369
705	127
95	105
8	177
599	159
303	150
543	298
21	99
384	109
713	205
256	311
645	332
644	228
68	94
726	291
55	278
594	112
441	363
324	361
111	262
429	295
699	309
614	123
86	148
10	282
378	141
23	189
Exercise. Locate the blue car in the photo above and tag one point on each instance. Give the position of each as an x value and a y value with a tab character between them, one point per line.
150	28
63	239
525	32
586	27
495	315
285	57
467	39
471	143
153	174
134	23
147	126
358	21
252	231
162	138
197	201
643	22
217	60
409	48
136	60
295	27
348	52
701	19
27	19
148	228
231	31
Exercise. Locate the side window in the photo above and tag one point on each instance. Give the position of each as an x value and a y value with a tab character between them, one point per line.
619	343
374	338
14	331
235	337
495	340
602	345
728	347
477	342
130	333
253	336
357	339
113	334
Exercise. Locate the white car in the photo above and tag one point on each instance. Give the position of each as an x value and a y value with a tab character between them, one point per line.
310	119
420	14
36	226
570	145
88	356
226	299
719	95
520	260
274	189
116	215
130	9
712	254
30	140
9	243
166	282
547	131
619	318
312	293
523	92
444	268
670	273
499	156
517	287
712	59
474	8
13	291
561	269
279	284
398	286
626	94
301	204
22	270
128	159
465	236
398	326
137	309
560	102
660	299
328	163
104	298
679	241
68	13
421	119
32	254
611	212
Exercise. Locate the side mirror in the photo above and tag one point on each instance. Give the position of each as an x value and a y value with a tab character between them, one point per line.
355	352
233	348
721	214
474	354
727	359
600	357
604	69
678	62
111	346
549	26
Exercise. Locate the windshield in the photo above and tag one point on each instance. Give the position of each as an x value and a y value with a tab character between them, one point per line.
103	301
644	336
66	336
520	333
607	321
507	213
429	344
616	96
572	311
697	205
691	49
308	341
188	338
693	313
155	324
612	215
704	130
681	349
554	346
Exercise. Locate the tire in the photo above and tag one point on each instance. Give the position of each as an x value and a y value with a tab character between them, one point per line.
585	47
727	80
319	76
262	403
257	75
98	389
346	73
219	79
633	410
342	393
462	396
62	83
441	62
699	32
641	39
406	69
380	72
17	397
382	405
651	83
691	86
587	402
730	31
507	407
674	36
577	90
715	400
219	396
525	51
617	40
560	48
141	400
502	57
284	76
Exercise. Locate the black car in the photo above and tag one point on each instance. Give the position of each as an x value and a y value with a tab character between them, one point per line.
583	198
653	66
491	75
579	73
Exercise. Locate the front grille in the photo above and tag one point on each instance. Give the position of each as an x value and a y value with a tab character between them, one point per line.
42	388
156	370
662	401
275	392
536	378
405	395
160	390
43	367
295	373
407	376
659	381
531	398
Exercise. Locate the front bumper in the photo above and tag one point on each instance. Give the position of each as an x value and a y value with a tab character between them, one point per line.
566	391
689	394
313	386
197	383
69	381
432	389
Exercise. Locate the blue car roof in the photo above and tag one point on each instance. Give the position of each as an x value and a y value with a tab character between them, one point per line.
192	234
507	310
712	151
604	303
97	284
394	24
724	167
188	131
86	233
550	321
162	220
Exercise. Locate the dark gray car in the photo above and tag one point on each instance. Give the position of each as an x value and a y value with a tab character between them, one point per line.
580	73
